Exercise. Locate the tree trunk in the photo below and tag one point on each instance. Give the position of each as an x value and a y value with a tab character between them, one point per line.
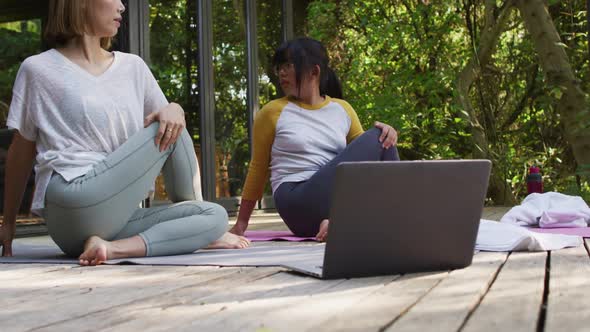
494	26
571	104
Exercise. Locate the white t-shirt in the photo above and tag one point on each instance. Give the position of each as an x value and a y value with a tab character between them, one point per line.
76	118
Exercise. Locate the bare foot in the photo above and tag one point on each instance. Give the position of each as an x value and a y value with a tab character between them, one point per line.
95	251
229	241
323	233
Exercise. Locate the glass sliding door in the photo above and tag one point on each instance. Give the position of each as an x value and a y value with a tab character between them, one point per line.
173	60
231	112
175	56
269	38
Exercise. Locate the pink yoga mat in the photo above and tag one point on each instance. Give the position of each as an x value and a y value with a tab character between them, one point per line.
579	231
275	236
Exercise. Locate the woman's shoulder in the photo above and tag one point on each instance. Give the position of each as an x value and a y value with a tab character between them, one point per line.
130	58
275	105
271	110
40	61
343	103
134	65
340	101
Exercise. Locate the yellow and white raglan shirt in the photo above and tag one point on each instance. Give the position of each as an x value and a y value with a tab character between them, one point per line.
293	140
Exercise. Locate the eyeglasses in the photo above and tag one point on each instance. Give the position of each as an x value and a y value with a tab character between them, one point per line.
284	67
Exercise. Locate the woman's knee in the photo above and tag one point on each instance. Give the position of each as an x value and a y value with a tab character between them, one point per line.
184	139
219	213
373	133
219	219
185	136
370	139
216	214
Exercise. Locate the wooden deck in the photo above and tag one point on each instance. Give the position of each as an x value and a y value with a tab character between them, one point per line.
499	292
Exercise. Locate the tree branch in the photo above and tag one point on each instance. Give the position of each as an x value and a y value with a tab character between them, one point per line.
531	86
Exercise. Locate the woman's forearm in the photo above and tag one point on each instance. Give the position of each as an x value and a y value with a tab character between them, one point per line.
19	163
246	208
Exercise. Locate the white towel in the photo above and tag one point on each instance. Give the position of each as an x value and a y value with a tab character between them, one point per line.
497	236
549	210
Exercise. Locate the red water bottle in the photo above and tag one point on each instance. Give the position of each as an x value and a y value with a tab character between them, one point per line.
534	181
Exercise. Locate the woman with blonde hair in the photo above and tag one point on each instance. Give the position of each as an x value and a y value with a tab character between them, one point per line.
101	130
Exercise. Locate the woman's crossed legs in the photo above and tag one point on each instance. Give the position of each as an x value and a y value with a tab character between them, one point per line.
96	216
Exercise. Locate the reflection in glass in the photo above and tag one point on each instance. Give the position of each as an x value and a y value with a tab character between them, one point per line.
231	114
269	38
174	60
18	40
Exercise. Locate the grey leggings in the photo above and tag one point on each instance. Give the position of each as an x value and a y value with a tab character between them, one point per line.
303	205
105	201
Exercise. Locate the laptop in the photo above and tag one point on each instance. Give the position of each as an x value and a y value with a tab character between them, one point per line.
402	217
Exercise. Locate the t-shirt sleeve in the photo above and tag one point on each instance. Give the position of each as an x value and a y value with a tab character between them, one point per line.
356	129
24	104
154	98
262	139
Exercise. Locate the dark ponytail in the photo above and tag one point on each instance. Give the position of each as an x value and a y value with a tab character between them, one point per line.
305	53
331	84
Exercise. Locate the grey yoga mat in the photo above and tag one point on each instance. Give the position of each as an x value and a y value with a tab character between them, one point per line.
286	256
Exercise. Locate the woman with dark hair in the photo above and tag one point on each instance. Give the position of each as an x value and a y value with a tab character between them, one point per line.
101	130
301	138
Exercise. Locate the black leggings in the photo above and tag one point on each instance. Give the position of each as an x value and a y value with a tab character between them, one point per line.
303	205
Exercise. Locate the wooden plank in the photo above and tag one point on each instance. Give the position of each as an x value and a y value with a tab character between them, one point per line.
54	282
494	212
378	309
514	301
568	300
487	213
14	276
28	282
29	230
82	291
161	311
264	221
501	211
223	306
12	271
296	308
269	226
449	303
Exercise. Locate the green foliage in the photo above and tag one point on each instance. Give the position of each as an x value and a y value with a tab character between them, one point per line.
399	61
394	62
18	40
